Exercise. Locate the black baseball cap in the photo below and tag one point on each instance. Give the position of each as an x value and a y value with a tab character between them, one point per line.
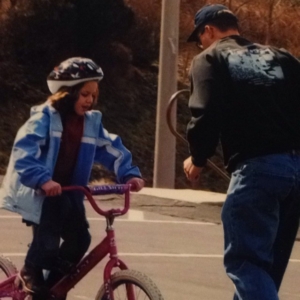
208	13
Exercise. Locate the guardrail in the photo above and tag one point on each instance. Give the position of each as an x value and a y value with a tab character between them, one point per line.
170	106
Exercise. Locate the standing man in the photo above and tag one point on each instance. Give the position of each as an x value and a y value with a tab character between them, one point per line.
248	96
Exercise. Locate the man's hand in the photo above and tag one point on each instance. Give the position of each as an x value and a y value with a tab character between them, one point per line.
51	188
191	171
136	184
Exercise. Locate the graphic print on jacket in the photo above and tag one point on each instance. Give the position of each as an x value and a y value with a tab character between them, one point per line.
253	65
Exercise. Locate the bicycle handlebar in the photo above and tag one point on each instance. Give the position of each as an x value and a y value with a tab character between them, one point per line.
108	189
89	191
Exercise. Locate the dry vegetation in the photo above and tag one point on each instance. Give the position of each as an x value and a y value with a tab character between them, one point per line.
273	22
123	37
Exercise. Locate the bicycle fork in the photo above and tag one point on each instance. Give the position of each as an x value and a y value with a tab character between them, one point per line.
114	262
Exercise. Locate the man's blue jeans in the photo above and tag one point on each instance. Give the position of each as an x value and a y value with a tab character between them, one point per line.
261	218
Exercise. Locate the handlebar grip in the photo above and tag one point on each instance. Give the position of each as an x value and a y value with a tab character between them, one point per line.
108	189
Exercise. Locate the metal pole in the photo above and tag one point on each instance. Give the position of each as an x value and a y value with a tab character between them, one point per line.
165	143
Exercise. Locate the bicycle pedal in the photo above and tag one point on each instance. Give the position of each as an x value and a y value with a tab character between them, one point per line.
23	285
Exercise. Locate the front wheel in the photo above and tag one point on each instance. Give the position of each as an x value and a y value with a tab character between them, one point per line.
131	285
7	268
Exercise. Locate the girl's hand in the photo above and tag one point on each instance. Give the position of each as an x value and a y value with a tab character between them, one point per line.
51	188
136	184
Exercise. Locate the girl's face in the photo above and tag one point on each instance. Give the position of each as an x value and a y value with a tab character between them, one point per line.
87	97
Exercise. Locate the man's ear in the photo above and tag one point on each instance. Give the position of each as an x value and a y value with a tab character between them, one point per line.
210	31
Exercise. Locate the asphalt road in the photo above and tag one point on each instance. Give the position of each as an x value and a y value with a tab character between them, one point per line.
182	256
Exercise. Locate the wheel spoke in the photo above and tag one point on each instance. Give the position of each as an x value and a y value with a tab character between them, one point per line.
120	293
125	281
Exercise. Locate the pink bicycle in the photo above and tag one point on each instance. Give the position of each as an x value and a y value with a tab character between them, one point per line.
123	284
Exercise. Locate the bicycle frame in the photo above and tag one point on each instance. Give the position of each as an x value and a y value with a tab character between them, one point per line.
9	288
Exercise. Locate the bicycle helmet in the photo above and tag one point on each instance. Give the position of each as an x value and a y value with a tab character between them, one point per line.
73	71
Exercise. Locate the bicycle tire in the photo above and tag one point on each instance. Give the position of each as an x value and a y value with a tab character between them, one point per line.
7	269
139	280
7	266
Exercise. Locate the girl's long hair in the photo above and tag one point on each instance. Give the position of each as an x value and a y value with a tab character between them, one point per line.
64	100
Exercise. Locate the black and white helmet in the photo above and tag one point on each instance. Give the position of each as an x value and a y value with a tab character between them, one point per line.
73	71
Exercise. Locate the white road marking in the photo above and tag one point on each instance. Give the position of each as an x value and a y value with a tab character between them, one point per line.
157	221
136	217
173	255
169	255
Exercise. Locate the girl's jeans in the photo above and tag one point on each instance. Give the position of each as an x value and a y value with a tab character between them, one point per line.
62	237
261	218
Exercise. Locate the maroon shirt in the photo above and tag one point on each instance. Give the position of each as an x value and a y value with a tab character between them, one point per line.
69	148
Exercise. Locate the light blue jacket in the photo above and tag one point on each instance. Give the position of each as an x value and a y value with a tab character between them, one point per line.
35	152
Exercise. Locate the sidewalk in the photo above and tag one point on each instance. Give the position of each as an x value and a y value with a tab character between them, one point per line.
188	195
195	196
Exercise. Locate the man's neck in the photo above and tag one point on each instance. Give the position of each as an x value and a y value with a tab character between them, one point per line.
227	33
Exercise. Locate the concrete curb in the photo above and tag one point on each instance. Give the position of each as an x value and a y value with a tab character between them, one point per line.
188	195
195	196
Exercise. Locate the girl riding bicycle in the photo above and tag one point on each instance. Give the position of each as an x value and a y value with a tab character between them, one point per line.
57	147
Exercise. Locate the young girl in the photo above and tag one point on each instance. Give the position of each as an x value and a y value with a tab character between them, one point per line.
57	147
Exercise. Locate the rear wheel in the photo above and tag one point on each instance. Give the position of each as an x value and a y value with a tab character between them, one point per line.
7	269
126	281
